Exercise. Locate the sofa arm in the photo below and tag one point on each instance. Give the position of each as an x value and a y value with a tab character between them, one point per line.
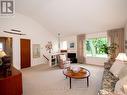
107	65
104	92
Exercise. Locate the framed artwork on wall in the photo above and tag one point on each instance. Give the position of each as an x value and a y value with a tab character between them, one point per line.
71	45
36	50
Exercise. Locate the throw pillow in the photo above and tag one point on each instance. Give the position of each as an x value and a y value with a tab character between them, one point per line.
123	72
116	68
119	85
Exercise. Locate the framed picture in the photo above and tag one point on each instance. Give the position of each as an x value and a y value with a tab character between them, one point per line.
36	50
71	45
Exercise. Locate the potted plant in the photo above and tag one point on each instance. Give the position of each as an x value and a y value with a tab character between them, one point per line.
110	50
104	48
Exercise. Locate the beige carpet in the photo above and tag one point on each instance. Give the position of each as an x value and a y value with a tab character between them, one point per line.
44	80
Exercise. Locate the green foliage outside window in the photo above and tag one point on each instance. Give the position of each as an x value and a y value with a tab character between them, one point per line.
96	47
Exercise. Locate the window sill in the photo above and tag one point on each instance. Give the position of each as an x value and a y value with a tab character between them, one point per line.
95	57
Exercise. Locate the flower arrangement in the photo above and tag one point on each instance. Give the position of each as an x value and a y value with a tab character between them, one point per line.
48	46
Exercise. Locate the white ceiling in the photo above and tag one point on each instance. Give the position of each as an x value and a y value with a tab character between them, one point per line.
70	17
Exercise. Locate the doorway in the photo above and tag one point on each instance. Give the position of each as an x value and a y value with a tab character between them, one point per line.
25	52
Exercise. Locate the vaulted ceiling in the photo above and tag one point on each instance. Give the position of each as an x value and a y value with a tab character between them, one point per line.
70	17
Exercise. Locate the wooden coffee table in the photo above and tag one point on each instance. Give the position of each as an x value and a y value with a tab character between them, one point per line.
82	74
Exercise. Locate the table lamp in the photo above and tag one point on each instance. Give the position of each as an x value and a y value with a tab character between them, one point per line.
122	57
2	54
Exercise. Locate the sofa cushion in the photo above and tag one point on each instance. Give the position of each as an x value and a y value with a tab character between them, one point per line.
108	81
116	67
119	85
123	72
107	65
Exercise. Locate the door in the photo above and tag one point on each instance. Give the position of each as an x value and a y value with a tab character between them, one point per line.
25	53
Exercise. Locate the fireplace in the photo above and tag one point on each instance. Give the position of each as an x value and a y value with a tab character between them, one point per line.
72	57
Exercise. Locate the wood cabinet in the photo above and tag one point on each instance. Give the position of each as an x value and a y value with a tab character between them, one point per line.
11	85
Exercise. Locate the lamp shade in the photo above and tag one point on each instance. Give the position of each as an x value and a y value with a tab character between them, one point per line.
2	54
125	88
122	57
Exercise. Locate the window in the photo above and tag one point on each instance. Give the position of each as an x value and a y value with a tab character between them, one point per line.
64	45
1	46
94	47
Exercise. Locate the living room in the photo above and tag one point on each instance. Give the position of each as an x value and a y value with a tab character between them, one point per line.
61	27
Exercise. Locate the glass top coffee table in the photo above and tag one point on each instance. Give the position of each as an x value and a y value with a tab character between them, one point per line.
82	74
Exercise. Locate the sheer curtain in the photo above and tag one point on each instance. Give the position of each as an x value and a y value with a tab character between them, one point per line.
81	48
117	36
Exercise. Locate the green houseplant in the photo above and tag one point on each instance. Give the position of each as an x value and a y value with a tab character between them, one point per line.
110	50
104	48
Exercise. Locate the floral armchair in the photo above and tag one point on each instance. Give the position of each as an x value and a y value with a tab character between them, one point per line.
63	62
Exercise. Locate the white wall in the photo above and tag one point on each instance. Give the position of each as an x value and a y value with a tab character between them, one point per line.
96	60
76	16
33	30
70	39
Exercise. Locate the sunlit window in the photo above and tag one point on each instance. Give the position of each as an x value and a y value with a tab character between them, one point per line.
64	45
1	46
94	47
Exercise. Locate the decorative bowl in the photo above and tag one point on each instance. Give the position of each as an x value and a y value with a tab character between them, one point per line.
75	69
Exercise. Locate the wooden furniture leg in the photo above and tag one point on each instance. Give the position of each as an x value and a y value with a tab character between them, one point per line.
70	83
87	81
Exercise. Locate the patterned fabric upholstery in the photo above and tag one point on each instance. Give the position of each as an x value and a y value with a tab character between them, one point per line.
107	65
63	61
108	80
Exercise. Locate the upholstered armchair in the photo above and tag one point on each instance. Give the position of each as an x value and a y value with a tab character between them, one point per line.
63	62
